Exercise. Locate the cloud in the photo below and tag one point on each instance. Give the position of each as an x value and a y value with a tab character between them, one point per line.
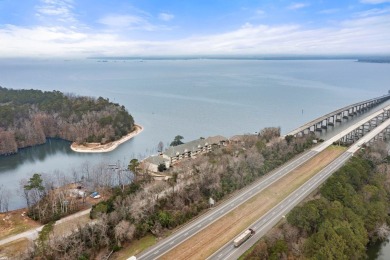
374	2
130	23
362	34
296	6
329	11
57	10
373	12
260	12
122	21
166	17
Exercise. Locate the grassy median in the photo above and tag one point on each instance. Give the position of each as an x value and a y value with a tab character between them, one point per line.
209	240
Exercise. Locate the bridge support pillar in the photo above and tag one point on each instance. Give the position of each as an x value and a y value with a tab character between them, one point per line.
331	120
339	117
345	114
318	126
324	124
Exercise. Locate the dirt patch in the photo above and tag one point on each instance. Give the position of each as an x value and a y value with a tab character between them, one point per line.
66	228
219	233
15	222
14	249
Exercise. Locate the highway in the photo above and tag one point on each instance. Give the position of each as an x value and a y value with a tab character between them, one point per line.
216	213
266	222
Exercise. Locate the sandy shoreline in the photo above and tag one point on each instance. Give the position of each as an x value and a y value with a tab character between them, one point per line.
103	148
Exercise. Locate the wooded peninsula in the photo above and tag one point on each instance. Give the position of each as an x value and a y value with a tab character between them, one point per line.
29	117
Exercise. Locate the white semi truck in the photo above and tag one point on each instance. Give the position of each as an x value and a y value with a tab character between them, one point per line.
243	237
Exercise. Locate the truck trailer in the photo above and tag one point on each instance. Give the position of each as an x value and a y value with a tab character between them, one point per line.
243	237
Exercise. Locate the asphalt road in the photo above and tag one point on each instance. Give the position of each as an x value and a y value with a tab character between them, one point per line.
266	222
214	214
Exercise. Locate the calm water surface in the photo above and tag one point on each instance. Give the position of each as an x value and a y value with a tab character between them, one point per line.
379	251
192	98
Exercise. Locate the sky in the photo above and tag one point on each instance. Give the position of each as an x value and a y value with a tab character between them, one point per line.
86	28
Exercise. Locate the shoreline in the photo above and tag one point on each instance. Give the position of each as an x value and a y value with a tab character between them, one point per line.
104	148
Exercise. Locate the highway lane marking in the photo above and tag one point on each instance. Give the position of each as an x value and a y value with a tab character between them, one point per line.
257	187
227	257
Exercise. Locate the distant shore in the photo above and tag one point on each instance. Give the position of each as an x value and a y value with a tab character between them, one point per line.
103	148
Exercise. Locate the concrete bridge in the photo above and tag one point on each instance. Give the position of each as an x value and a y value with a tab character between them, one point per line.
371	123
380	133
331	119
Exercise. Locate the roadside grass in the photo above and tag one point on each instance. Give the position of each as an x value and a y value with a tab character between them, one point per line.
13	249
135	247
209	240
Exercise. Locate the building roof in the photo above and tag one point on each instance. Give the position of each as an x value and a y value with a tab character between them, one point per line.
156	159
187	147
193	146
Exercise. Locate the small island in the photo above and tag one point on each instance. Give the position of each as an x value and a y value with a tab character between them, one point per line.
29	117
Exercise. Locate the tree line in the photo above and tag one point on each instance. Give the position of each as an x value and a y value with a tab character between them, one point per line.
50	197
349	212
147	207
28	117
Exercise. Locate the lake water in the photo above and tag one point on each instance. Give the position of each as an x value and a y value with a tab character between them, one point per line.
379	251
193	98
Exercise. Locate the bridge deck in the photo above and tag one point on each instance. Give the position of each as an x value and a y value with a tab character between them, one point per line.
348	130
371	135
320	119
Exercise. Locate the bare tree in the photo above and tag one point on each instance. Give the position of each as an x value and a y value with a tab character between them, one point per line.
24	192
124	230
382	231
160	147
5	195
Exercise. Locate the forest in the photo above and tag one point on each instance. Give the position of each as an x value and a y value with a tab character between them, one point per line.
29	117
338	222
147	207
